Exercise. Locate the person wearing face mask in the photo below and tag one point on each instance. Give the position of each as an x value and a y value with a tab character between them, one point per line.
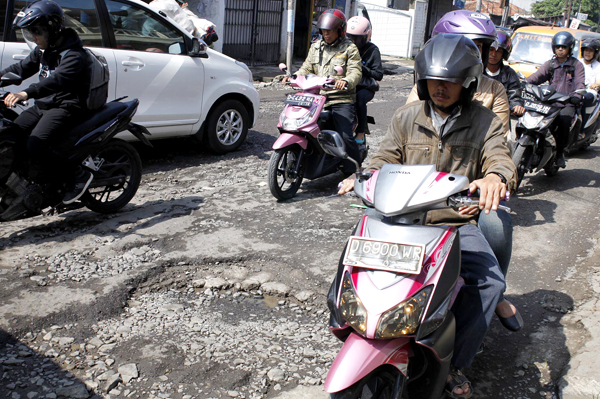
335	49
566	74
57	55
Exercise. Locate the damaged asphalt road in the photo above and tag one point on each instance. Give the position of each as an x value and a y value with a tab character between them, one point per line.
206	287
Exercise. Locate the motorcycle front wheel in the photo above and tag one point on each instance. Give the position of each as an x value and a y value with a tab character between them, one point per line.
379	384
285	176
521	157
117	180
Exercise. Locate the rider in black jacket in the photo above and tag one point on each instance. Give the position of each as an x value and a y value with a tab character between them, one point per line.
499	51
60	96
359	31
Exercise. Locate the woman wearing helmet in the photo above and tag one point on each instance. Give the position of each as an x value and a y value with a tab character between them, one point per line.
479	28
590	49
64	79
461	136
566	74
335	49
497	70
359	31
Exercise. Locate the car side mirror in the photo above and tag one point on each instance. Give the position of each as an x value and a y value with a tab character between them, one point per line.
10	79
198	49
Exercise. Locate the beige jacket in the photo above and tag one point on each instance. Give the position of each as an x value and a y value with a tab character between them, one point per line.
474	146
321	60
491	94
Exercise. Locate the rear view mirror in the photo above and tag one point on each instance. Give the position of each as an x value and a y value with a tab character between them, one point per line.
198	49
332	143
338	70
10	79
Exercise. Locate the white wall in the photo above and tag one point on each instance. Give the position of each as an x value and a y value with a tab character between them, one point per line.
392	29
214	11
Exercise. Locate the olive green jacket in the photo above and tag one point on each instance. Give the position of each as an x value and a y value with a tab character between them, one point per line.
473	146
321	60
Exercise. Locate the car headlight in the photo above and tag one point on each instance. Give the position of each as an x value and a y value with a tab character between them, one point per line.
404	319
294	124
531	121
351	307
250	77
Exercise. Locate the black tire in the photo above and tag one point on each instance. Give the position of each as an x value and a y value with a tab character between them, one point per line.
282	172
227	126
520	158
379	384
121	163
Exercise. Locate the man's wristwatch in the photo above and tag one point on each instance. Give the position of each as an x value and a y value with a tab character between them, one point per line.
502	178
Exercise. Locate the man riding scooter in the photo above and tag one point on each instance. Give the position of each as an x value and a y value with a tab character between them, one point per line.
566	74
335	49
60	95
437	127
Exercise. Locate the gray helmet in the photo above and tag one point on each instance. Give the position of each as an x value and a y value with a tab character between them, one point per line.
593	44
563	38
449	57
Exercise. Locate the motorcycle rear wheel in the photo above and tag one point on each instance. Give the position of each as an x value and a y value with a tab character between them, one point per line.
284	179
379	384
520	157
122	171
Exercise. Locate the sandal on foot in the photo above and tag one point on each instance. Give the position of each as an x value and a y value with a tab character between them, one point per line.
458	379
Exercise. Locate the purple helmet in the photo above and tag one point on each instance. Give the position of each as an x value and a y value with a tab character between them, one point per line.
474	25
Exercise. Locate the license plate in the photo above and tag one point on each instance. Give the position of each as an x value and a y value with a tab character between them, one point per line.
384	255
537	107
302	101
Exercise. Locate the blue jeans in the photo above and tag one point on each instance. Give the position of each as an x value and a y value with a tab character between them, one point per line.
477	300
497	229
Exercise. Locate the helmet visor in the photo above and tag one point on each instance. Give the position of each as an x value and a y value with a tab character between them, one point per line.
36	35
359	40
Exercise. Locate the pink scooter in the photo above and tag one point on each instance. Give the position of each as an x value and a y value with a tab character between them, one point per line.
396	282
297	154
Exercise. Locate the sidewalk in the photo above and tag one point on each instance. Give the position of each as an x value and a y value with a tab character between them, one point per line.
391	66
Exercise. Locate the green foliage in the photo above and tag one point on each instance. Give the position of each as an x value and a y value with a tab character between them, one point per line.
547	8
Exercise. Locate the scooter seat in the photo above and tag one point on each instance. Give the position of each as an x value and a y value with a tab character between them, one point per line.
106	113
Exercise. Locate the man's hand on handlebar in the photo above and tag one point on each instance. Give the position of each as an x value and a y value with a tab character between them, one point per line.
13	98
340	84
491	190
347	185
518	110
285	80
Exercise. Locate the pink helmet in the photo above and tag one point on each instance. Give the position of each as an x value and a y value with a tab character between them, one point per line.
359	30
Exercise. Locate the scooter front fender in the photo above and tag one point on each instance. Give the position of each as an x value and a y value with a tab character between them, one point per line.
288	139
360	356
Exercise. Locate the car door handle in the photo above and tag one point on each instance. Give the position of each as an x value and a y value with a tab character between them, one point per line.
19	56
133	63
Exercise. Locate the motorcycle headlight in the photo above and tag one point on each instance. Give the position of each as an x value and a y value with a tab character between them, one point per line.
531	121
404	319
351	307
294	124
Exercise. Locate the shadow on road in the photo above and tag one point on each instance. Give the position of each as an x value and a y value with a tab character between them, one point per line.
25	371
530	362
565	180
123	223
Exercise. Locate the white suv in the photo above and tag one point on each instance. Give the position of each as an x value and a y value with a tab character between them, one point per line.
184	88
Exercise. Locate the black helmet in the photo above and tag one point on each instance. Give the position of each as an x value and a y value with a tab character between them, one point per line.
563	38
43	18
593	44
449	57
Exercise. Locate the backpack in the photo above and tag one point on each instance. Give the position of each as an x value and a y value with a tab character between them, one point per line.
99	77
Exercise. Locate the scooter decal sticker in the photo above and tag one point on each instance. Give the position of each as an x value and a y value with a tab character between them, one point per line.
439	177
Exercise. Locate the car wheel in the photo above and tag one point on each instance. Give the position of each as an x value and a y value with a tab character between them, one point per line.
227	126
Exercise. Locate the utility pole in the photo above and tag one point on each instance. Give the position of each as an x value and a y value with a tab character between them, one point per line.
567	13
291	8
506	13
478	6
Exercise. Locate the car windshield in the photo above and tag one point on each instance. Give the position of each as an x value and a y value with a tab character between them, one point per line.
531	47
